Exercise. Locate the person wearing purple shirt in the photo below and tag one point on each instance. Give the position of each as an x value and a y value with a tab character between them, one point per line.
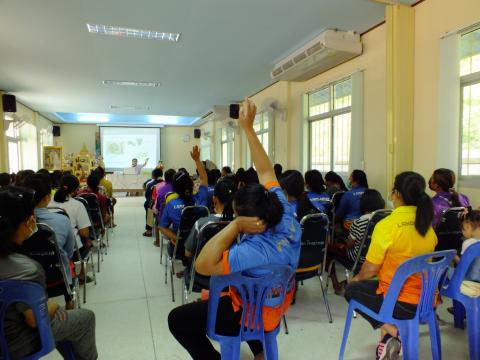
162	193
442	182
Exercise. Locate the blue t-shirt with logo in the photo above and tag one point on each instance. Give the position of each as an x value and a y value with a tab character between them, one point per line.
318	200
210	189
279	245
173	209
349	207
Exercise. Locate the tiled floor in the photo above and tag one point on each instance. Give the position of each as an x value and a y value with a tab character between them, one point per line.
131	303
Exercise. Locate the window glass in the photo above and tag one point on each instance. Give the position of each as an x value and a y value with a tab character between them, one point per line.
470	53
471	130
319	102
343	94
320	140
13	157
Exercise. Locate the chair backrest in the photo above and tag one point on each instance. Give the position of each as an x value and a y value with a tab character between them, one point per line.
208	231
314	241
452	289
93	232
329	210
367	237
93	208
58	210
336	198
264	286
190	215
432	269
33	295
449	230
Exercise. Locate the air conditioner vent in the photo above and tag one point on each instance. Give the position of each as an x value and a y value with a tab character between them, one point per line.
331	48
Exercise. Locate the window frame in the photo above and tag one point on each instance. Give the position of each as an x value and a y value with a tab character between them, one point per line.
465	81
331	115
270	135
15	138
230	142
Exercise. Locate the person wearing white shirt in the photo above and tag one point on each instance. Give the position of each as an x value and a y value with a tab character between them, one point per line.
138	168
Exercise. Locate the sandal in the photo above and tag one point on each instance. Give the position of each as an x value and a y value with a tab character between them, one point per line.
147	233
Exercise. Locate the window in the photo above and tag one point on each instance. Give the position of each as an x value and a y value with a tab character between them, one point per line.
227	147
330	116
263	128
12	135
470	103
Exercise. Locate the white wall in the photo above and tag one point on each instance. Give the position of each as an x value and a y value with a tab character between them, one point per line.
73	137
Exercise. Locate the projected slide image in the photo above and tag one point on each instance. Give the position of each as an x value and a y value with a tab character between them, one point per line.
121	145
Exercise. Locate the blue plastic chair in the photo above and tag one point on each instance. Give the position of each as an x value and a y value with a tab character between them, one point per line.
255	287
462	302
432	268
33	295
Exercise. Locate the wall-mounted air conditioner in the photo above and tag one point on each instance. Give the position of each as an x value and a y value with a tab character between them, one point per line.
329	49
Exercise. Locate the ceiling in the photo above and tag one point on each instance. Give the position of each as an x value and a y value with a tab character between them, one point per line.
226	51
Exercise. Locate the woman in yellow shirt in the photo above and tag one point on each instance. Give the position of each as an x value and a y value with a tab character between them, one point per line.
404	234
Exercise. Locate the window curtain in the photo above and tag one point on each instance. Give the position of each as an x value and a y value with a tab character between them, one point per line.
357	138
28	147
448	129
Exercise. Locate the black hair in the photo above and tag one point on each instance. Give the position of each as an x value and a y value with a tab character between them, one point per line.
255	200
239	177
333	177
68	184
473	217
101	171
183	186
411	187
213	176
41	184
359	177
445	179
184	170
43	171
249	177
370	201
16	205
227	169
156	173
56	176
293	184
21	175
93	181
278	170
225	191
135	159
4	179
314	181
169	174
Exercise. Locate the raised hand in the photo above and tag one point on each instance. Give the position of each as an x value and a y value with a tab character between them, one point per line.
248	110
195	153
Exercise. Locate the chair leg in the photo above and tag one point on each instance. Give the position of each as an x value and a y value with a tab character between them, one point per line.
346	330
285	324
270	346
85	272
161	248
93	271
409	332
329	272
230	349
183	290
473	326
435	340
166	268
172	270
325	300
458	315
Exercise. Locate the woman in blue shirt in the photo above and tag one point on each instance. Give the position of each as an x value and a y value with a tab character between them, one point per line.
183	188
316	189
294	187
269	235
349	207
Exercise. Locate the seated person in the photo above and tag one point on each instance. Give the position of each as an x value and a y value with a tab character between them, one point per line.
278	168
471	232
17	223
161	191
222	203
293	185
316	189
226	171
183	188
213	176
404	234
5	180
269	235
93	182
157	177
442	182
334	183
349	207
65	199
346	253
60	224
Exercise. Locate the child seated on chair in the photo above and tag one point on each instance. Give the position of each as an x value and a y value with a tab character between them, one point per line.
17	224
346	253
471	232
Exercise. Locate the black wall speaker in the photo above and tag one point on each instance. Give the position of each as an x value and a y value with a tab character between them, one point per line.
56	130
9	103
197	133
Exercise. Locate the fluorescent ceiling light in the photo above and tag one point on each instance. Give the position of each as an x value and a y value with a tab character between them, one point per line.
164	119
93	118
133	33
121	107
131	83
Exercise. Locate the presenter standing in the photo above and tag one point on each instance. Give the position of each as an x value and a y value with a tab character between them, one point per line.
138	168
